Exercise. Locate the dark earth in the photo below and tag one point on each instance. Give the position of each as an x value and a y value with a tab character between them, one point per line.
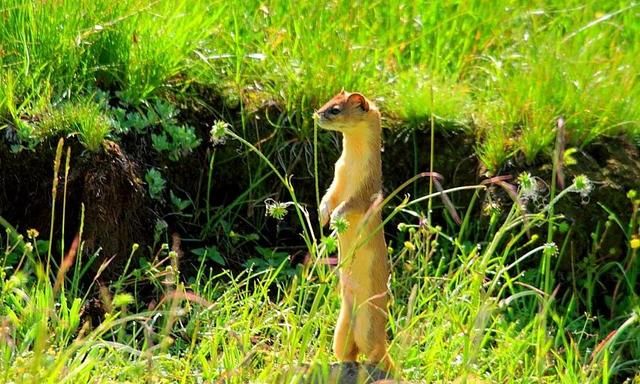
119	212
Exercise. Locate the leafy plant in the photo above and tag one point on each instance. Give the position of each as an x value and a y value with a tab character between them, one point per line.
209	253
271	259
156	183
176	140
179	204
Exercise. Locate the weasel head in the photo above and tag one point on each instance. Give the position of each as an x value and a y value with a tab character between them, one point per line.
347	112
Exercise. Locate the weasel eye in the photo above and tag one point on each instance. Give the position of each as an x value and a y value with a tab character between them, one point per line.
334	110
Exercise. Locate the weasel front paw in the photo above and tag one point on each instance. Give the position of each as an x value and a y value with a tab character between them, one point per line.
339	212
324	213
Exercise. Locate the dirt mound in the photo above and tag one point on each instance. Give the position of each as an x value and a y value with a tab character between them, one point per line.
116	212
106	183
613	165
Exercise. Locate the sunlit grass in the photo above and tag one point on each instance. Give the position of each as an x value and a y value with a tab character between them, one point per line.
445	322
84	119
537	61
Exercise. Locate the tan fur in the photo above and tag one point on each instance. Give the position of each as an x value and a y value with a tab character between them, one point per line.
364	267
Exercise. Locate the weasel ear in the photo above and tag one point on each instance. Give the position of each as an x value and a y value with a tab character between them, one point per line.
358	99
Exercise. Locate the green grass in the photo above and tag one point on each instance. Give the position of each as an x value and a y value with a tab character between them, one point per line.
83	118
503	71
478	318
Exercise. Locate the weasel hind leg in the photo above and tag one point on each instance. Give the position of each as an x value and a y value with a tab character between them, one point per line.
344	345
371	336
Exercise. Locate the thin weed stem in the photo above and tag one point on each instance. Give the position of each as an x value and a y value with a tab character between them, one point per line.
54	194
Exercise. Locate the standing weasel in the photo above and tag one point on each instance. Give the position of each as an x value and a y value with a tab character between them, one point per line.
364	267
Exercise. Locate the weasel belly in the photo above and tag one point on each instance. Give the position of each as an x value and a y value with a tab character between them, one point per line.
364	267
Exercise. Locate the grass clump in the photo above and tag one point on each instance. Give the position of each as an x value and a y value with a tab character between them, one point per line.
84	119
